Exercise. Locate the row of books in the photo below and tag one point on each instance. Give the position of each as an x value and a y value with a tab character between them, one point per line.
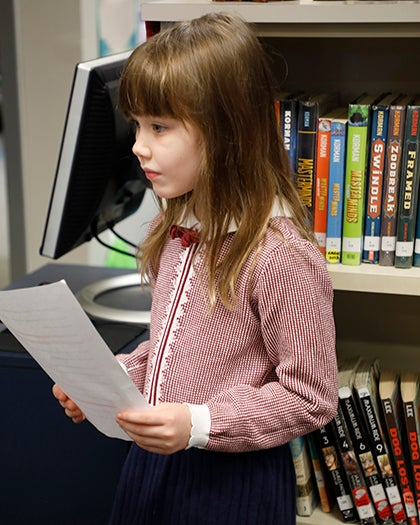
357	170
366	462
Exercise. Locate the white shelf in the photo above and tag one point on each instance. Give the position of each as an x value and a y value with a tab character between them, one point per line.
376	279
297	17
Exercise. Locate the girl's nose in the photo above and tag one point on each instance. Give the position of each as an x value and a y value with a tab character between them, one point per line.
140	148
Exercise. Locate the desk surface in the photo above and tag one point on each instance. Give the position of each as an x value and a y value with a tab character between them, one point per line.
119	337
77	276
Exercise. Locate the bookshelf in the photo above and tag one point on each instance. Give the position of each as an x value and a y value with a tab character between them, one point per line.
351	47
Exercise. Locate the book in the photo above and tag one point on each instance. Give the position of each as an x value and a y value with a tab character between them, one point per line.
366	393
310	108
360	438
390	400
391	182
355	177
410	395
322	481
288	119
408	197
416	256
375	174
325	440
306	495
322	168
322	162
359	490
336	186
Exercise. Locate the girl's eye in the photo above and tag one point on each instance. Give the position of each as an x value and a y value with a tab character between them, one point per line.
158	128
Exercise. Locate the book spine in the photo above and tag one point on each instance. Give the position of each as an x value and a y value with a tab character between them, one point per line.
322	165
412	438
364	454
320	474
389	409
355	178
416	257
336	191
377	150
407	206
306	500
325	440
354	473
288	127
306	153
396	126
380	450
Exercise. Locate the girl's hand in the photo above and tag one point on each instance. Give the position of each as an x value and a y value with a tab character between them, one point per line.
164	429
70	408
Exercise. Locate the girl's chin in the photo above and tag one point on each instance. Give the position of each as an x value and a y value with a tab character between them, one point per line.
167	193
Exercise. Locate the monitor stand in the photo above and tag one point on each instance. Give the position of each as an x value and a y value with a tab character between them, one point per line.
120	299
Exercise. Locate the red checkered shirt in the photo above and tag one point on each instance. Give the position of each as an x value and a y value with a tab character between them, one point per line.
265	372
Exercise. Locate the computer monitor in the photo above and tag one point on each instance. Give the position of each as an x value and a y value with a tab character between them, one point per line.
98	180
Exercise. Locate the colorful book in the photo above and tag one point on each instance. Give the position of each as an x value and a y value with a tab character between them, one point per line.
355	177
410	395
390	399
336	186
394	147
326	442
357	482
322	168
375	175
409	188
322	481
366	394
360	439
306	495
310	109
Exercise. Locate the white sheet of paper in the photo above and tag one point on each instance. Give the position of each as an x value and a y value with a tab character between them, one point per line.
52	326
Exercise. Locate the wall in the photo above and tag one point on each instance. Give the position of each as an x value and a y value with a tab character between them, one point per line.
47	45
41	41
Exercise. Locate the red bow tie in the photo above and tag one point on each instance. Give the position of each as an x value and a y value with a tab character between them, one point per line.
188	236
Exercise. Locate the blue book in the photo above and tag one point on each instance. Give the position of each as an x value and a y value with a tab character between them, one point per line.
375	177
306	492
336	186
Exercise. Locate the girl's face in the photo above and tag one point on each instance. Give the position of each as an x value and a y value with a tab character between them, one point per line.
170	154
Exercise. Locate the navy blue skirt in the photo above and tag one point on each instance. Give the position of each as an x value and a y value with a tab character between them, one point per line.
200	487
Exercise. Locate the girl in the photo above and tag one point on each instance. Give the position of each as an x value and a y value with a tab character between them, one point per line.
241	356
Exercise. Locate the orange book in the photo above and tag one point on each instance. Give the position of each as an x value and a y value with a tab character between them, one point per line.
322	166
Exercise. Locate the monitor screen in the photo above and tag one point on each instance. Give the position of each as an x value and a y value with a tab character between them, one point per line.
98	181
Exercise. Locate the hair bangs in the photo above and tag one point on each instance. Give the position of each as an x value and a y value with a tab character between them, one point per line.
150	86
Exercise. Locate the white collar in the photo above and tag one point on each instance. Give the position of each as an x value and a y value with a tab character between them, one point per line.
278	209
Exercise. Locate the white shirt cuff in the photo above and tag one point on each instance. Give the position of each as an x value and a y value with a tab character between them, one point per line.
200	426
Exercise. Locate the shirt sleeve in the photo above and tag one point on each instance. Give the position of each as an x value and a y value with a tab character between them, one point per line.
135	364
293	294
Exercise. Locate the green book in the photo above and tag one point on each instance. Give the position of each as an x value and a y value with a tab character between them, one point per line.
409	188
355	177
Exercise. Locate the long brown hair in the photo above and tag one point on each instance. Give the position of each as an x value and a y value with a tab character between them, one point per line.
213	73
